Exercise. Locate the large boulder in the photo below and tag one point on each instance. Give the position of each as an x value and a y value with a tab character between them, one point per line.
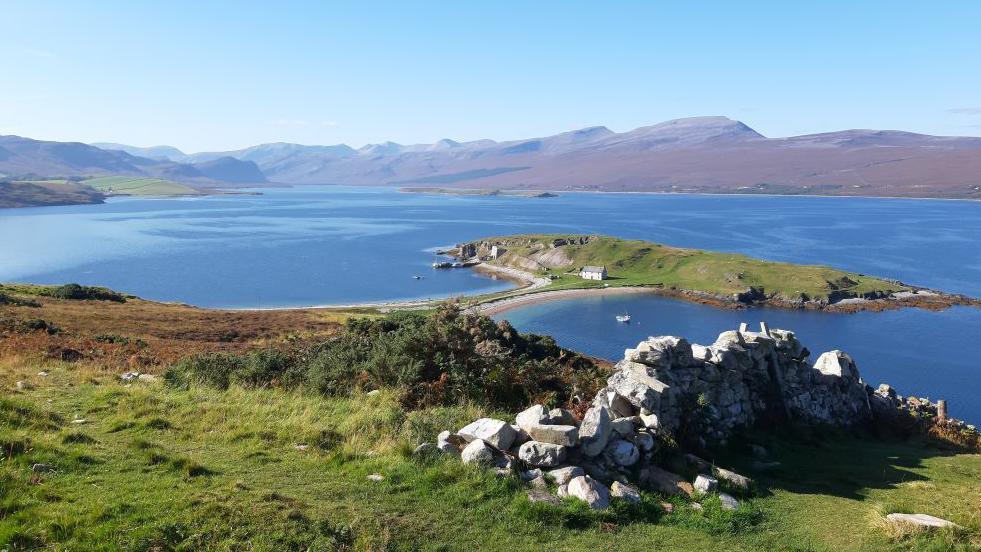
665	482
562	476
496	433
622	453
589	490
625	492
632	382
706	484
662	351
739	481
836	363
561	416
532	416
477	452
565	435
594	431
542	455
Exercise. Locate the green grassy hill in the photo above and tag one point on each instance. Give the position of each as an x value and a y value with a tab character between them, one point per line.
158	468
127	185
642	263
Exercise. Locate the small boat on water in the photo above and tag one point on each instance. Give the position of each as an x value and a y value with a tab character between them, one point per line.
417	277
623	318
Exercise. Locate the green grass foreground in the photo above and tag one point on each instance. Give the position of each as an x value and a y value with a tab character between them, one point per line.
154	467
642	263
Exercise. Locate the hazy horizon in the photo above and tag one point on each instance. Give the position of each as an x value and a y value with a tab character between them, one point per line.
223	76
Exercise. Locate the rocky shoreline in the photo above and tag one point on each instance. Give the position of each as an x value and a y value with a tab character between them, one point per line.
925	299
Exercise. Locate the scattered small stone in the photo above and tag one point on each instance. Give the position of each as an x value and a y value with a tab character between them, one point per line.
42	468
706	484
301	447
477	452
376	477
668	507
728	502
146	378
43	374
79	421
373	392
626	492
423	449
562	476
697	506
542	495
21	386
920	520
129	376
590	491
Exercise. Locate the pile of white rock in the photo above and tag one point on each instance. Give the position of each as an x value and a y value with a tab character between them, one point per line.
659	386
592	460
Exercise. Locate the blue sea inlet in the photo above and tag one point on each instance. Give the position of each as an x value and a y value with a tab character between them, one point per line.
334	245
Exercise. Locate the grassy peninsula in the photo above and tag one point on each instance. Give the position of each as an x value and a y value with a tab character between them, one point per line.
715	277
258	430
140	186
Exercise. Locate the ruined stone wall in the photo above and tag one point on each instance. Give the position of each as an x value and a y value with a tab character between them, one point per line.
734	381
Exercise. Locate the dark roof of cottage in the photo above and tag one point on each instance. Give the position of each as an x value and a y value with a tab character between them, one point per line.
593	269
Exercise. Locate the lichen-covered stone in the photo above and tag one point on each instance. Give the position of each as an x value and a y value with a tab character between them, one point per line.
542	455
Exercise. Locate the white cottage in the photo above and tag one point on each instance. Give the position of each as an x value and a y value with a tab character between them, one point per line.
593	273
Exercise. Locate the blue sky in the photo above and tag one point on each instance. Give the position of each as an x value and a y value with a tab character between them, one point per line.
224	75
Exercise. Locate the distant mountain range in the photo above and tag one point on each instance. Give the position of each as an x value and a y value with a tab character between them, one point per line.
24	157
700	155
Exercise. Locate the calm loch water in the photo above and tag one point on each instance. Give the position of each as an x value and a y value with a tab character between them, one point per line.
341	245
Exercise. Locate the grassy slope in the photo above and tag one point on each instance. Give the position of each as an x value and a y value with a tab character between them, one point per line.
127	185
634	262
205	469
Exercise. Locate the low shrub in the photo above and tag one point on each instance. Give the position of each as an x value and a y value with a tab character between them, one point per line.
439	358
6	299
80	292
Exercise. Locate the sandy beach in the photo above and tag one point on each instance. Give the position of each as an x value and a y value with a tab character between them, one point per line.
512	302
